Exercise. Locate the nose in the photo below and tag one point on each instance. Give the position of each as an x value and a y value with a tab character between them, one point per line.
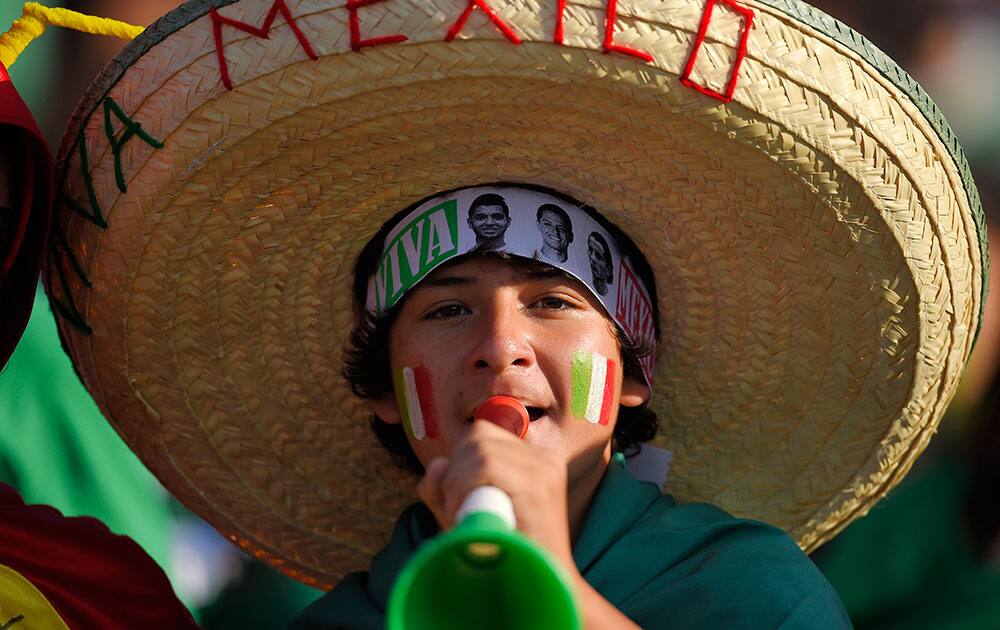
503	340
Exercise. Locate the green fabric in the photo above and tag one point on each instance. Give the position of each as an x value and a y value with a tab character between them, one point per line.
56	448
664	565
909	565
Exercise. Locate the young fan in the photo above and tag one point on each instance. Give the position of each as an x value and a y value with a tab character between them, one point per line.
776	197
477	322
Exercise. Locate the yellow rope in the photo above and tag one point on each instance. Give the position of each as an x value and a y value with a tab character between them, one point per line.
36	17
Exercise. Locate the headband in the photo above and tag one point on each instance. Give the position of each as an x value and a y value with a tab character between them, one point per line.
522	222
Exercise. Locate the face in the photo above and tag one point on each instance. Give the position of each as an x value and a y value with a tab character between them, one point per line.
483	327
554	230
598	263
489	222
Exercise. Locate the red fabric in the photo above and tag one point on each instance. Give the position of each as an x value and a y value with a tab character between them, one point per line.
93	578
33	166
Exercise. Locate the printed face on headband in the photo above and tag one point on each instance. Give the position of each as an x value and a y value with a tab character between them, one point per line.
489	218
599	255
483	326
557	232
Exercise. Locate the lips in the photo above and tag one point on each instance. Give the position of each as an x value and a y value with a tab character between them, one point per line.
534	413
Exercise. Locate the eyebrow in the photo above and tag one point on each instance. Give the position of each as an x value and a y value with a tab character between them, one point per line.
545	274
465	281
447	281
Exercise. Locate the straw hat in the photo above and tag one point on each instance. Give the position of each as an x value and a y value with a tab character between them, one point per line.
817	240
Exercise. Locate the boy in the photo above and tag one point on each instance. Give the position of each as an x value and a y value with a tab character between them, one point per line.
515	326
818	283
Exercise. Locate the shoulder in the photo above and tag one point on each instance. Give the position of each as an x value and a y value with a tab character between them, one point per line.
359	600
347	605
706	568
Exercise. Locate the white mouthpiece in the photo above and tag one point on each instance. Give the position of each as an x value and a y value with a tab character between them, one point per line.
488	499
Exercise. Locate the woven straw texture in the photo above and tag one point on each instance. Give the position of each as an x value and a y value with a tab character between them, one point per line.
816	241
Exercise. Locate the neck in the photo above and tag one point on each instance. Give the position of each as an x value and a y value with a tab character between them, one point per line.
582	490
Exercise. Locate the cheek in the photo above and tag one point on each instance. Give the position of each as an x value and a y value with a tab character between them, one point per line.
415	396
592	386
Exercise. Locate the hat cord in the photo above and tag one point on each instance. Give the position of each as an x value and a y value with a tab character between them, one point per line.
36	17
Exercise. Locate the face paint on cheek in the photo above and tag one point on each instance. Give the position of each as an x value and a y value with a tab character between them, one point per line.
415	398
593	381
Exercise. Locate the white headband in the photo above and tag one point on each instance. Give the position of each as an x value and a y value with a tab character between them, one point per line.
521	222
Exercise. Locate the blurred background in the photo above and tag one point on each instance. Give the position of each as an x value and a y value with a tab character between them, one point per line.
927	556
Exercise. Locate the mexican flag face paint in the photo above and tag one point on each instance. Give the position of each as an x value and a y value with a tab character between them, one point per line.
416	401
593	387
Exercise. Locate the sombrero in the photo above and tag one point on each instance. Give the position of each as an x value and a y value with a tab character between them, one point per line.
817	241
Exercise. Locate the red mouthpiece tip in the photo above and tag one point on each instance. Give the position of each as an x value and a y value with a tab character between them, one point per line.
506	412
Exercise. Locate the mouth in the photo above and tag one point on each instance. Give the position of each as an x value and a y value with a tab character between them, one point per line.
534	413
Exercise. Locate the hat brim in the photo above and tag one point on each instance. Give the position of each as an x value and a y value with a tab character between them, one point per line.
816	241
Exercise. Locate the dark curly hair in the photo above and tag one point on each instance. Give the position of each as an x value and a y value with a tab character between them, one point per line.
366	359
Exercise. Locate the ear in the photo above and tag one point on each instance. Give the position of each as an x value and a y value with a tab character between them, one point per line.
635	392
386	408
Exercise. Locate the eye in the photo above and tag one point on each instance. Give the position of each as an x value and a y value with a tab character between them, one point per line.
446	311
552	302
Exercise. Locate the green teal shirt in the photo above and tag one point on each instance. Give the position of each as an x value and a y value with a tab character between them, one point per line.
662	564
